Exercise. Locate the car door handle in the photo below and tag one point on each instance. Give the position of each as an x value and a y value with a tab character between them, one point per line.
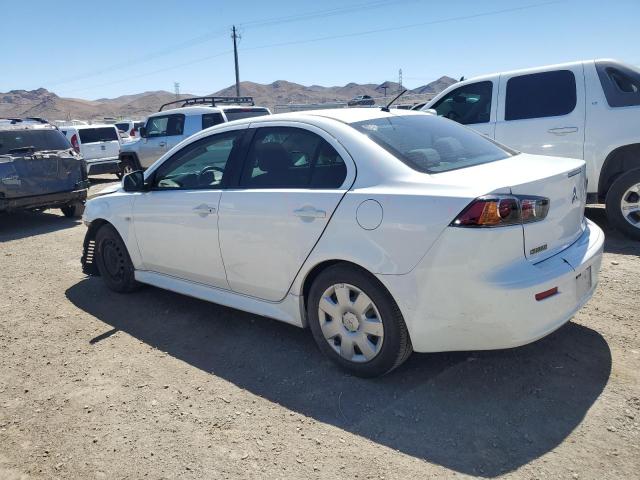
309	212
563	130
204	210
163	144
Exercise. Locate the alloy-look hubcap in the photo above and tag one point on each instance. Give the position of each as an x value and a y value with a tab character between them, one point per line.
630	205
351	323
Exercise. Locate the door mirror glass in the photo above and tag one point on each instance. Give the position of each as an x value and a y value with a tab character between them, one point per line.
143	132
134	182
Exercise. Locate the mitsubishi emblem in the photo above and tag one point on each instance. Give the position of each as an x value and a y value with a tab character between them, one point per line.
575	196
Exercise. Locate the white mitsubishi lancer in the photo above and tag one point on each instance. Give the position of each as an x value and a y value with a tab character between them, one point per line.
383	231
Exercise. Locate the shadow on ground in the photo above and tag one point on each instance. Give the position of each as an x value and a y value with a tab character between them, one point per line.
23	224
480	413
615	242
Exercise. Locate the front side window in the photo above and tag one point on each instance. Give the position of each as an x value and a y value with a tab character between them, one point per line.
157	126
200	165
429	144
539	95
469	104
621	83
285	157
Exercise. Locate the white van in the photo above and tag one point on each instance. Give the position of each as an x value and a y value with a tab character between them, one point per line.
99	145
588	110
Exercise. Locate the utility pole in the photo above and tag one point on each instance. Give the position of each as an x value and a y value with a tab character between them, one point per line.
235	36
400	80
385	86
176	89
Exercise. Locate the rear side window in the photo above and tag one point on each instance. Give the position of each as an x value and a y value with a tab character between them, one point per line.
621	84
238	113
539	95
211	119
284	157
469	104
100	134
122	126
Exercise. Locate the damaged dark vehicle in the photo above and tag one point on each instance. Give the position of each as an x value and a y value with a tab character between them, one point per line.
39	169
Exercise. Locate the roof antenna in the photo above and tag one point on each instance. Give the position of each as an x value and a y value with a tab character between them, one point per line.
386	109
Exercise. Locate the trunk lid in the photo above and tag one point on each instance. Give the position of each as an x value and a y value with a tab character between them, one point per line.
561	180
39	174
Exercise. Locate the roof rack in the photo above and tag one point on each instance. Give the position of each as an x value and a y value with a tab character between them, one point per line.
15	120
212	101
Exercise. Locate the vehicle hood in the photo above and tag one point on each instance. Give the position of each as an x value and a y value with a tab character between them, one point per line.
107	190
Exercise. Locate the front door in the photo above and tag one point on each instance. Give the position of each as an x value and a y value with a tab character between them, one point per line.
291	182
176	222
543	112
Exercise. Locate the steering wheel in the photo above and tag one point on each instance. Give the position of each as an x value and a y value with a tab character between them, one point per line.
451	115
202	180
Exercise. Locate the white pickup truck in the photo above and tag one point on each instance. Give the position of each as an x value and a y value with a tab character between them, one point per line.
588	110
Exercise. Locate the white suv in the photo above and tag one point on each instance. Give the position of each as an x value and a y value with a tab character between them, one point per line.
165	129
99	145
588	110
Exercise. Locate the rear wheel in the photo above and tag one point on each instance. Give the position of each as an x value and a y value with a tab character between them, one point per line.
113	261
73	210
356	322
623	204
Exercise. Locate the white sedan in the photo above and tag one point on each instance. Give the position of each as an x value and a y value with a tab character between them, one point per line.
383	231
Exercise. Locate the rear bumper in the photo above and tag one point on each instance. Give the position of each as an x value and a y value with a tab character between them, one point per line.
456	306
51	200
103	165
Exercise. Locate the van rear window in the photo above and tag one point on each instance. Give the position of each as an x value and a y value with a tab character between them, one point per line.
100	134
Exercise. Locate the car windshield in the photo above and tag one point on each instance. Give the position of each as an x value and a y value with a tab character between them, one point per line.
238	113
38	139
430	144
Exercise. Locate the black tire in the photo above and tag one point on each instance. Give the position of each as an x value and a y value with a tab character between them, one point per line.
73	210
113	261
396	345
613	204
128	164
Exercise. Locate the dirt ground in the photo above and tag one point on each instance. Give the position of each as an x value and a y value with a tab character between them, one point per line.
156	385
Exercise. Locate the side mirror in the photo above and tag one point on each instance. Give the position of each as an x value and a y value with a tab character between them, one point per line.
134	182
143	132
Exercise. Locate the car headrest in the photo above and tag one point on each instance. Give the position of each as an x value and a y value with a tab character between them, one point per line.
425	157
272	157
448	147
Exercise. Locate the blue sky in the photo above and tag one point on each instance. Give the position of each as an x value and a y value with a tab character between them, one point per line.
91	49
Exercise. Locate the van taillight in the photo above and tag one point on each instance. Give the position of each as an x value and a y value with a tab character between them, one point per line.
74	143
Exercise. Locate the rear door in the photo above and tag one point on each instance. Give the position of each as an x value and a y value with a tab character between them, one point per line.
473	104
543	112
292	180
99	142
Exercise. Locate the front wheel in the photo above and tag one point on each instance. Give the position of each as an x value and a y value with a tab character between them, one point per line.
113	261
356	322
73	210
623	204
127	166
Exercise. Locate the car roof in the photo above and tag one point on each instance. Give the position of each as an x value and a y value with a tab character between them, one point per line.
344	115
85	127
7	125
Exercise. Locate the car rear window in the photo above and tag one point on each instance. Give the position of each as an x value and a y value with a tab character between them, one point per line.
38	139
123	126
431	144
100	134
238	113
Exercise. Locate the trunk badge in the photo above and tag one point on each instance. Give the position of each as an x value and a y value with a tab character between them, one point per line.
575	195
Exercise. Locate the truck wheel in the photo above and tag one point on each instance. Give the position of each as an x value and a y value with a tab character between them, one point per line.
113	261
73	210
127	166
623	204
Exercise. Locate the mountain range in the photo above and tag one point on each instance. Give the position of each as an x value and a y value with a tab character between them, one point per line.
43	103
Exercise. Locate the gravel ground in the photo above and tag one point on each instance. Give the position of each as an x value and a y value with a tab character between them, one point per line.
99	385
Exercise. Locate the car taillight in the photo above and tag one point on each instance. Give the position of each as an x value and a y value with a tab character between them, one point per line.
74	143
132	132
502	210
